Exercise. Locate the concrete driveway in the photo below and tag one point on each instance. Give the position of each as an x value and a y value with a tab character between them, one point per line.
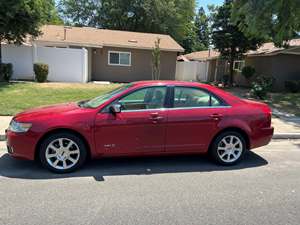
263	189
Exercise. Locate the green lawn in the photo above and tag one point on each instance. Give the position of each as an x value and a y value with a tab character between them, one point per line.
16	97
284	102
287	102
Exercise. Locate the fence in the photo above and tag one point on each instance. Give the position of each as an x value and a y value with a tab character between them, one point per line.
65	64
192	71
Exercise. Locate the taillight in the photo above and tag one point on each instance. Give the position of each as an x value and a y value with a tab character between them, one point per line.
268	116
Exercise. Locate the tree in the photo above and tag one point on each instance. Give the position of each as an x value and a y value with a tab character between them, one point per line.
227	38
269	19
156	16
19	18
80	12
202	30
156	60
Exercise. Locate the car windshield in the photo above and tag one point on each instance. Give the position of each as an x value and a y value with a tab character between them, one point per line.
96	102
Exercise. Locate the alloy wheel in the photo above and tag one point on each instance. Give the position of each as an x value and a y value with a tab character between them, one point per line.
62	153
230	148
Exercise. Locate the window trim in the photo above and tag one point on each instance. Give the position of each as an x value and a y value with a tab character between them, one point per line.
242	65
224	104
119	64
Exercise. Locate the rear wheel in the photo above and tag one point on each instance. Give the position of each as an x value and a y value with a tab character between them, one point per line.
62	152
228	148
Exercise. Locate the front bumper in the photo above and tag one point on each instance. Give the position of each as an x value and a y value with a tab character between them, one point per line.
21	145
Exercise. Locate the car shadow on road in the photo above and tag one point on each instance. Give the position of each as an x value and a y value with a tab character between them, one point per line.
99	169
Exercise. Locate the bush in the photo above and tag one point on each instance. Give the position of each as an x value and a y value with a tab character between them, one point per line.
248	72
225	79
261	86
292	85
6	71
41	71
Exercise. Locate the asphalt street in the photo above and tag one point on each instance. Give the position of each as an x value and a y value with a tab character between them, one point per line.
183	190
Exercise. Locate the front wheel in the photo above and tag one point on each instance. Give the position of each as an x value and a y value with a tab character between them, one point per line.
62	152
228	148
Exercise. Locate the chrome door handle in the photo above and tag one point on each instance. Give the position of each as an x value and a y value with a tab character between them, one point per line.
155	117
216	116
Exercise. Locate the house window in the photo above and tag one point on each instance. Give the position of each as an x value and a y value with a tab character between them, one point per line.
119	58
238	65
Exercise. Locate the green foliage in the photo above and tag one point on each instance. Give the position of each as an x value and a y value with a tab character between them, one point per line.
156	61
18	18
172	17
6	69
292	86
226	36
41	71
248	71
261	86
225	79
202	31
277	20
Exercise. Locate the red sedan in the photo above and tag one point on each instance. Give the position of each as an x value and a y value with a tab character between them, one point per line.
142	118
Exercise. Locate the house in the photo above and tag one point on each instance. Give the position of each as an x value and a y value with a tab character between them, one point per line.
81	54
280	63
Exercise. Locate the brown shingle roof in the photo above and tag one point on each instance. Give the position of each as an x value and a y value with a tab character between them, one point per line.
87	36
202	55
269	48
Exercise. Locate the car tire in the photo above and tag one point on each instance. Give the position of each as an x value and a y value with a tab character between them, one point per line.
62	152
228	148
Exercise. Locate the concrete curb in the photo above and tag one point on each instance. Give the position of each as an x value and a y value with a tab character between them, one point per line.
275	136
286	136
2	137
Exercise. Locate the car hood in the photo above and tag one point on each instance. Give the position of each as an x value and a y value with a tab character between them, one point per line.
50	110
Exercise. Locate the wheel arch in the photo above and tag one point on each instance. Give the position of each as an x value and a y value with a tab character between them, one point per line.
235	129
61	130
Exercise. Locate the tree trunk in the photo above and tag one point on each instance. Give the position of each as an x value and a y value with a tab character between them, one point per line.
231	61
0	52
0	60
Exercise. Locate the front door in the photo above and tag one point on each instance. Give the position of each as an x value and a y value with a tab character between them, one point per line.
139	127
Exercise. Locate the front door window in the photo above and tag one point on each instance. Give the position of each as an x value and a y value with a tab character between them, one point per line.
146	98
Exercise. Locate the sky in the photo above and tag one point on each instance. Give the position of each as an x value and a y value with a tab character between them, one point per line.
204	3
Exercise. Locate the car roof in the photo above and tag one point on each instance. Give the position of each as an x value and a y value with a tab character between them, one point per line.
167	82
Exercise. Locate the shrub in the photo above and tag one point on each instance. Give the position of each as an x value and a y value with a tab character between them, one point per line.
261	86
6	71
292	85
225	78
248	72
41	71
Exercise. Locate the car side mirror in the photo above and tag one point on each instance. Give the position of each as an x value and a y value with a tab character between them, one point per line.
115	108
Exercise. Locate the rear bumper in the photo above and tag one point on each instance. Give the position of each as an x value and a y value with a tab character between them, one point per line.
21	145
261	137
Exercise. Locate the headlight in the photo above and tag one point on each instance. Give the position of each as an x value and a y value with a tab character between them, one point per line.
17	127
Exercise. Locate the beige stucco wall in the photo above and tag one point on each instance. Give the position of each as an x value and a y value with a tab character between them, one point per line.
140	69
281	67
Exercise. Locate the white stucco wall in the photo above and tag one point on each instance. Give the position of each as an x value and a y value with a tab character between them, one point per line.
65	64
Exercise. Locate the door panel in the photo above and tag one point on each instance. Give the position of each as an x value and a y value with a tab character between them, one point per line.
130	132
193	120
191	129
138	128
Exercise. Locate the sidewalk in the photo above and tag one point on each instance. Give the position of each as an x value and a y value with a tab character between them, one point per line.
4	122
285	127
